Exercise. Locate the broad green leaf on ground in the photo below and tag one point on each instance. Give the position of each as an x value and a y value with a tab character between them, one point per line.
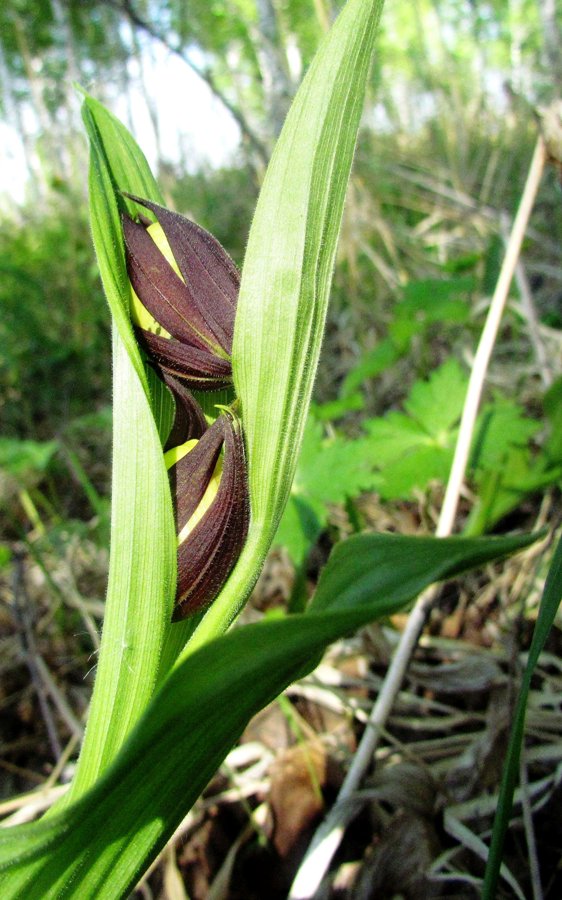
300	527
330	469
413	472
410	450
333	410
397	567
550	602
423	303
504	466
100	845
406	452
393	436
501	489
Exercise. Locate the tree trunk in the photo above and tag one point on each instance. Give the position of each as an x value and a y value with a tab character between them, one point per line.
272	61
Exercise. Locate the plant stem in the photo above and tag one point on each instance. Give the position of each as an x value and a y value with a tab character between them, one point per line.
487	341
330	832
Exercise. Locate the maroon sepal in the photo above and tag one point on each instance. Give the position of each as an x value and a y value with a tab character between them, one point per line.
199	310
199	369
207	555
211	277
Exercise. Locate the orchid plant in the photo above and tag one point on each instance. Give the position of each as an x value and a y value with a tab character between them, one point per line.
212	380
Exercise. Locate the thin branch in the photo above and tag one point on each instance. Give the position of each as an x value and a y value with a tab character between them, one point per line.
127	9
329	834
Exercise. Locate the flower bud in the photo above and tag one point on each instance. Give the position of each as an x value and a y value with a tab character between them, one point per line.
209	483
184	295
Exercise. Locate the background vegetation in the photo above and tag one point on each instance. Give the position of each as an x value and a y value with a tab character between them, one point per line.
447	138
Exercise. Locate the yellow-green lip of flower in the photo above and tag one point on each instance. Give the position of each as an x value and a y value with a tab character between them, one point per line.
184	295
209	481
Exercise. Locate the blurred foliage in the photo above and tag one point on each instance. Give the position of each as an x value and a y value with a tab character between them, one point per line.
54	330
221	200
403	454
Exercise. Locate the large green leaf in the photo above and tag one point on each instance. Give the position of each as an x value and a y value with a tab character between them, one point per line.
99	846
396	567
143	543
286	282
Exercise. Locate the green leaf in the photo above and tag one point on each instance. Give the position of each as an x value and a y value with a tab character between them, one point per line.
505	469
501	426
436	404
501	489
370	365
410	451
142	578
300	527
286	282
426	302
288	268
395	568
5	555
117	164
436	300
142	570
414	472
329	470
553	408
550	602
336	409
393	436
99	846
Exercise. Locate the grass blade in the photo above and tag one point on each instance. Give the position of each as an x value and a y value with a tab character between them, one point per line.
550	602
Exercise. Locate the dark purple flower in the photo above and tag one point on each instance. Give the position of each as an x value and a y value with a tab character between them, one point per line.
185	293
209	484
